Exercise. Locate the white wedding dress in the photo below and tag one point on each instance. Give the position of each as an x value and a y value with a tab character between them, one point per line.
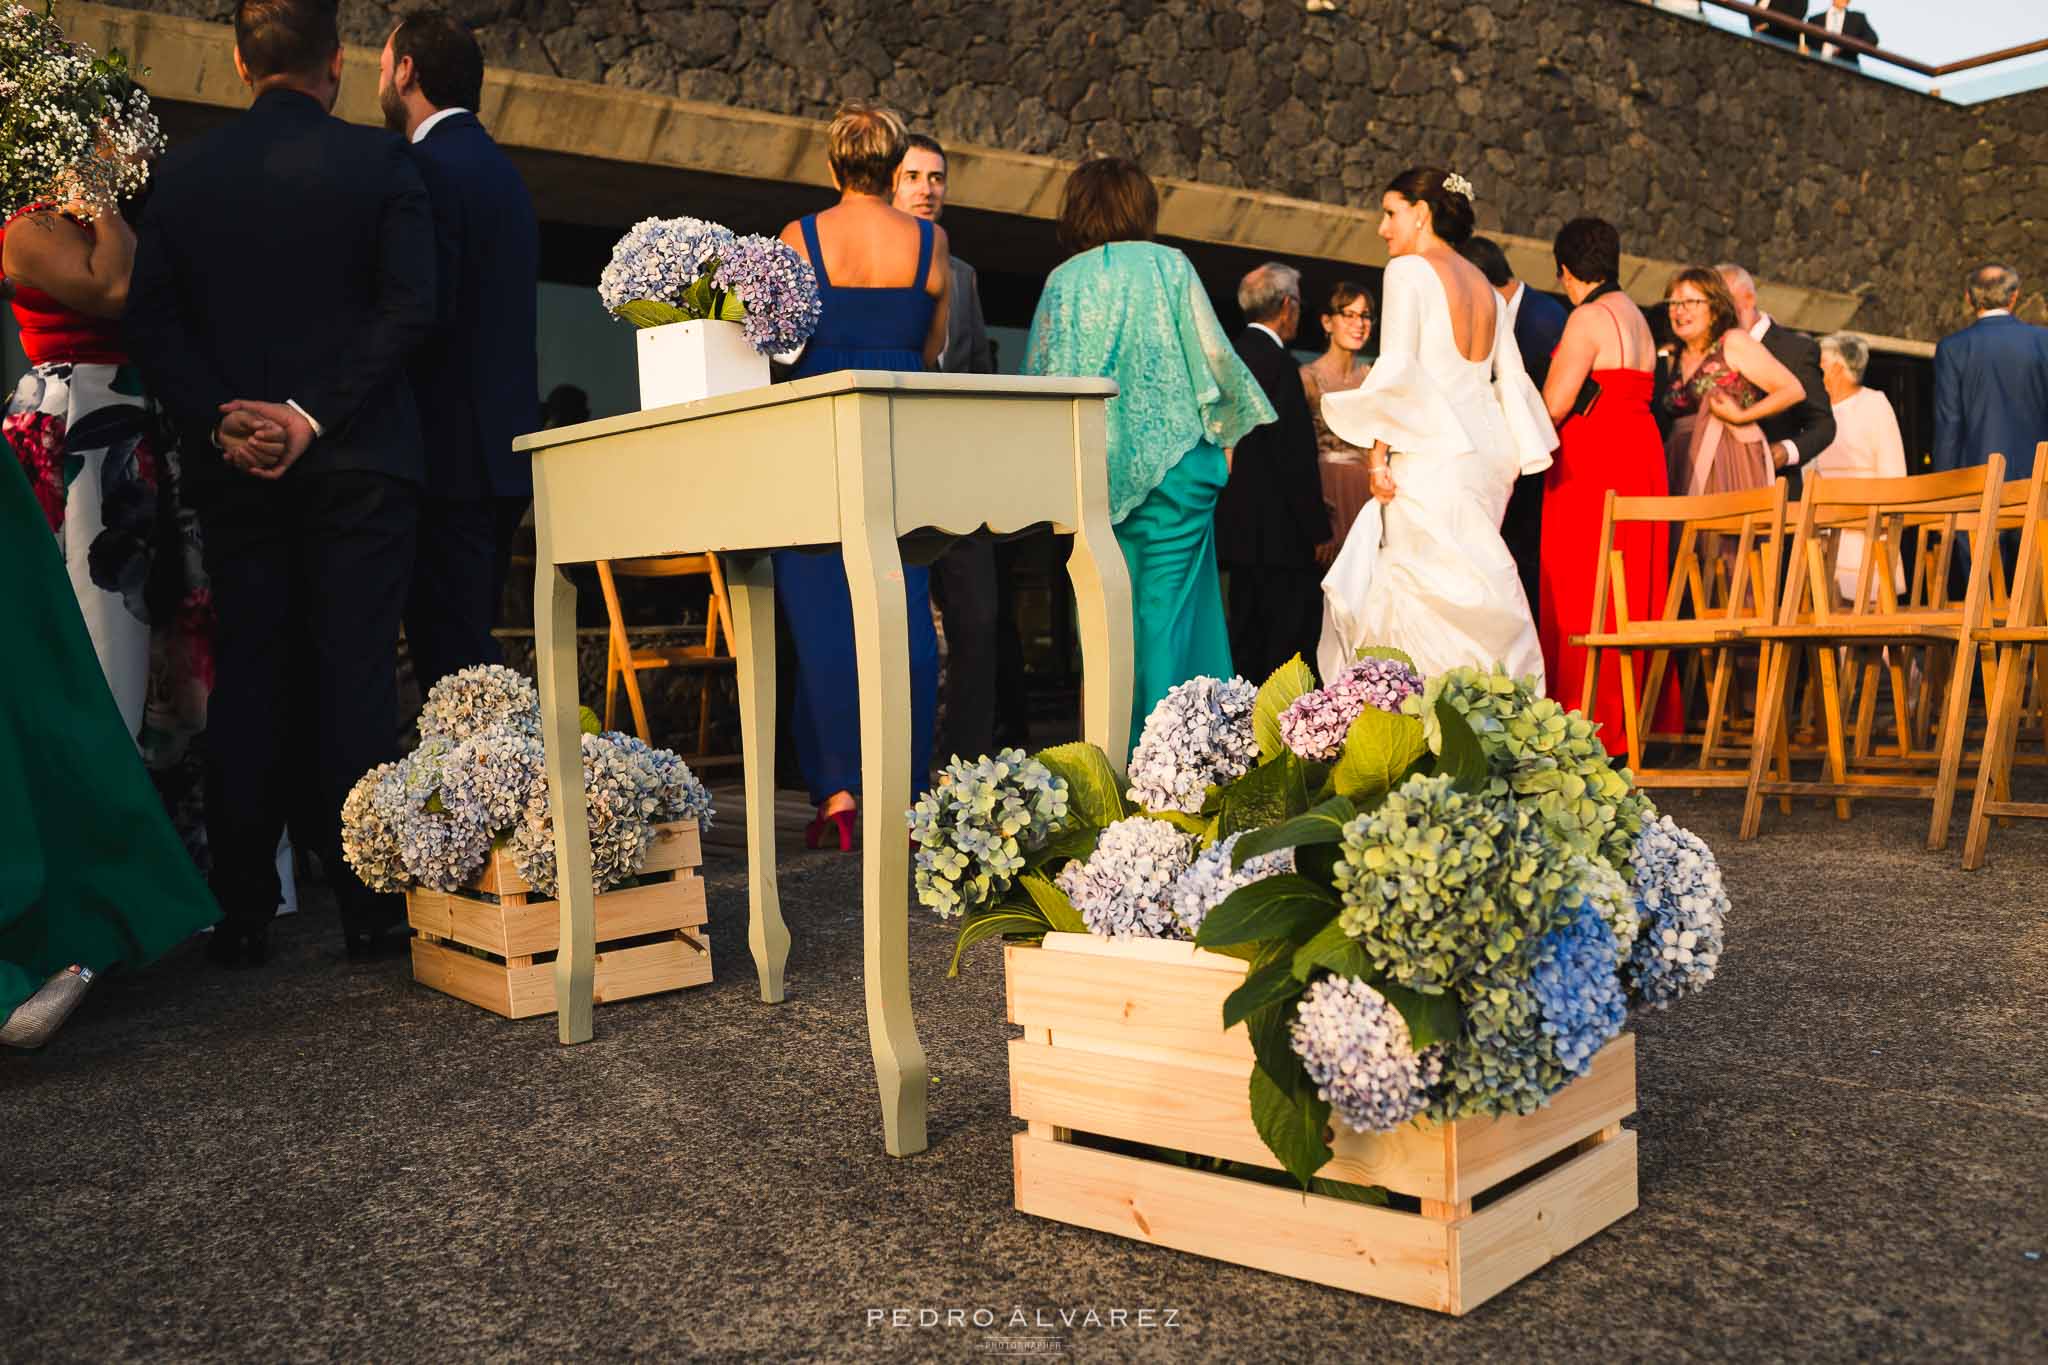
1428	572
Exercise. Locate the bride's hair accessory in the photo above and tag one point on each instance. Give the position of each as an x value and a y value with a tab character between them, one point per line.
1458	184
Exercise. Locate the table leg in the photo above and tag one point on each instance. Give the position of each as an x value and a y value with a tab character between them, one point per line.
881	633
1102	597
750	582
554	637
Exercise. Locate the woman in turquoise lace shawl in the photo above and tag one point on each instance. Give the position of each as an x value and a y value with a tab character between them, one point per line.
1129	309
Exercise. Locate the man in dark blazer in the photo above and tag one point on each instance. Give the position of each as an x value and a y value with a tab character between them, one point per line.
1801	432
1538	320
1850	23
478	376
965	582
1991	381
1777	33
1271	515
285	273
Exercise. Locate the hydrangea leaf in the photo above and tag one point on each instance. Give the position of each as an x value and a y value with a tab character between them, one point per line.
650	313
1399	656
1323	825
1093	792
999	921
1431	1019
1270	1029
1076	841
588	722
1461	757
1187	824
1334	949
1289	681
1292	1124
730	308
1318	863
1270	982
1287	906
1379	753
1269	794
1344	1189
1052	902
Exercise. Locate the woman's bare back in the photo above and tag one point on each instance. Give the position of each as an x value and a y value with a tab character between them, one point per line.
868	244
1472	303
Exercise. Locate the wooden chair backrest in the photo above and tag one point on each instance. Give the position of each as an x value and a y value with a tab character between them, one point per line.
2029	604
1725	561
1944	509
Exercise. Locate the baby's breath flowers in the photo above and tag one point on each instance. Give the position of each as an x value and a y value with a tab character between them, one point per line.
975	829
76	131
1200	734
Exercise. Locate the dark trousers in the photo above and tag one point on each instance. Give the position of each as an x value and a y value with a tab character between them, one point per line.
964	586
458	580
1276	612
1521	526
309	577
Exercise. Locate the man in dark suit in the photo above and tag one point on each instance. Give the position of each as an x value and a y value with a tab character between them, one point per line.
1778	33
1271	515
479	373
964	580
1538	320
1991	381
1850	23
284	275
1801	432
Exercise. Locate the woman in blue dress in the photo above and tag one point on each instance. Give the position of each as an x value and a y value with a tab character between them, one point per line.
1127	308
883	277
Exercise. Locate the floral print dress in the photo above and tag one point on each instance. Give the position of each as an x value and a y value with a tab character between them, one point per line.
1704	454
104	471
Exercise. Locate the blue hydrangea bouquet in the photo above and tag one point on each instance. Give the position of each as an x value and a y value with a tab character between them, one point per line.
668	270
1446	893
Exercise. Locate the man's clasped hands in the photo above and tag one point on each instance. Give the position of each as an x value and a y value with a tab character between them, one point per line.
262	440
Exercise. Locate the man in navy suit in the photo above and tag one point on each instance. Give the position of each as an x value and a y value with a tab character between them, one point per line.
285	269
478	377
1538	320
1991	381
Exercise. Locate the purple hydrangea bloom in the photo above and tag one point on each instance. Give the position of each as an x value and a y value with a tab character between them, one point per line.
1200	734
1315	725
1125	888
1684	905
777	287
1357	1049
1210	879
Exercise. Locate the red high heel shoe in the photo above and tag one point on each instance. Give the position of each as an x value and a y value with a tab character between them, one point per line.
815	833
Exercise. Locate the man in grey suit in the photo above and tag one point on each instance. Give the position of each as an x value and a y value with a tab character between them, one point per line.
964	580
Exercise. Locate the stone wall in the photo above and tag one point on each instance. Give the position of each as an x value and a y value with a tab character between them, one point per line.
1701	145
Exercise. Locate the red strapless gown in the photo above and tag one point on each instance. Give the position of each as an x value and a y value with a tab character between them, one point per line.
1615	446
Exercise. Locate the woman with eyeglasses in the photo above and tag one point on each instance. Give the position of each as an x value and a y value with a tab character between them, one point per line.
1723	383
1346	486
1598	392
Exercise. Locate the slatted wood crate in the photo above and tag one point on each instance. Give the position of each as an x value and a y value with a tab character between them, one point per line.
650	937
1123	1040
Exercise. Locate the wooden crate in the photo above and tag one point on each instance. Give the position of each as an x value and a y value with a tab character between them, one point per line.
650	936
1122	1039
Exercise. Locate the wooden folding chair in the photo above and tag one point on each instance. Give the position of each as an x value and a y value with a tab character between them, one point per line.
623	663
1723	581
1964	504
2021	643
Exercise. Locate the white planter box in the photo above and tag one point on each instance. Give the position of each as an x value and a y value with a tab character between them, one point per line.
684	361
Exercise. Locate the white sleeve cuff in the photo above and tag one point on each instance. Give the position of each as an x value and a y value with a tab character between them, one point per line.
311	420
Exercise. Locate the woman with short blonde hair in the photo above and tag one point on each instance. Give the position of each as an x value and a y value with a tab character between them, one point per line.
863	147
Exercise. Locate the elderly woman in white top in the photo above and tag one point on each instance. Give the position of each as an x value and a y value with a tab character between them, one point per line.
1867	441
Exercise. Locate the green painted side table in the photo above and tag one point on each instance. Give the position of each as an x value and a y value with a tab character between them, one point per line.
859	459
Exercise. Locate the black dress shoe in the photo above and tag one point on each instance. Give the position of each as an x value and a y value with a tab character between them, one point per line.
236	945
377	945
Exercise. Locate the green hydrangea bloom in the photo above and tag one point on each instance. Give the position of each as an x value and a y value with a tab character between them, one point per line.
1440	885
1545	757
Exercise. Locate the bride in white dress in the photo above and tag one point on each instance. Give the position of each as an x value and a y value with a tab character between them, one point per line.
1449	418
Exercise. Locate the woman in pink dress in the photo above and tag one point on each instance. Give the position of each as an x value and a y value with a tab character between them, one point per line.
1346	485
1723	384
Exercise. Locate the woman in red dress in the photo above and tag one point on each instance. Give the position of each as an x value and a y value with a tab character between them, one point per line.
1601	381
